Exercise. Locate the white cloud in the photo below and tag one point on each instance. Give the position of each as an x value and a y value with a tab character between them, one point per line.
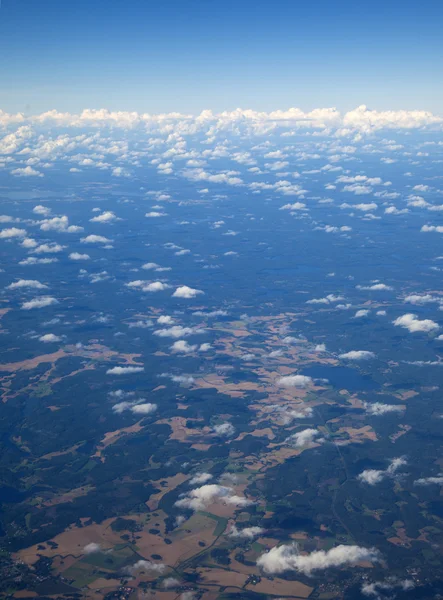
177	331
106	217
45	211
376	287
413	324
50	338
288	558
200	478
378	409
78	256
374	476
425	481
185	291
248	533
200	498
182	347
298	381
95	239
26	283
60	224
224	429
357	355
144	409
92	548
12	232
304	438
26	172
124	370
40	302
146	565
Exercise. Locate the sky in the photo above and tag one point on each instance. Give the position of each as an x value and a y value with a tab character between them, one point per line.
190	55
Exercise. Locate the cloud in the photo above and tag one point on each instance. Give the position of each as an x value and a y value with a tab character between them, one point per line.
144	286
247	533
40	302
294	206
146	565
12	232
378	408
26	172
298	381
421	299
154	214
200	498
288	558
45	211
51	248
165	320
200	478
385	588
95	239
144	409
413	324
376	287
92	548
224	429
26	283
374	476
60	224
177	331
186	292
361	313
357	355
425	481
182	346
124	370
105	217
50	338
78	256
304	438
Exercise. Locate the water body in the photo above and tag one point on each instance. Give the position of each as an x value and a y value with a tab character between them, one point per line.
342	378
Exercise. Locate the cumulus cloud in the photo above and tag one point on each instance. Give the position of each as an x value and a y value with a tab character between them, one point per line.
40	302
304	438
288	558
95	239
124	370
186	292
26	283
78	256
413	324
378	409
12	232
357	355
60	224
224	429
376	287
374	476
200	498
200	478
297	381
50	338
182	347
248	533
177	331
45	211
386	588
145	286
106	217
147	566
92	548
425	481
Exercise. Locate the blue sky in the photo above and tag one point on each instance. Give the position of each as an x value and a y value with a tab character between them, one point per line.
189	55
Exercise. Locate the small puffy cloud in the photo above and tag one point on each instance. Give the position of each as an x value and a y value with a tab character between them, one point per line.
147	566
297	381
413	324
150	265
247	533
304	438
12	232
378	409
45	211
124	370
374	476
26	283
182	347
294	206
78	256
288	558
40	302
357	355
60	224
155	214
50	338
376	287
200	498
51	248
361	313
105	217
436	228
26	172
170	583
185	291
144	286
95	239
386	588
144	409
421	299
165	320
425	481
92	548
224	429
177	331
200	478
